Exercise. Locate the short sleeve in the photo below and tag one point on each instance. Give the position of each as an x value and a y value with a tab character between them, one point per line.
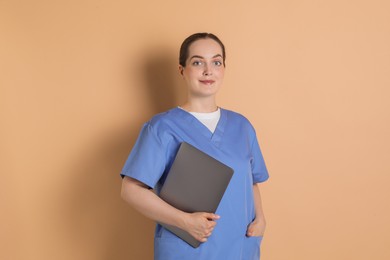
147	160
259	170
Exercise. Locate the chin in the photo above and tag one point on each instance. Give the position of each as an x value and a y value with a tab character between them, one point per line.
206	93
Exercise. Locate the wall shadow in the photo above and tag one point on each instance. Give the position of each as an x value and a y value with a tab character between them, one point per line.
163	87
99	225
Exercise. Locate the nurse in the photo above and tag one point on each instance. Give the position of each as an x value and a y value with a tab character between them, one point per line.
236	230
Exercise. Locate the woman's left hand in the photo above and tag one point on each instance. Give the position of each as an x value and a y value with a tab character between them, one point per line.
256	228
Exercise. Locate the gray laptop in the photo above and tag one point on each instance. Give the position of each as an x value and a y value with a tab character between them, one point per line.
196	183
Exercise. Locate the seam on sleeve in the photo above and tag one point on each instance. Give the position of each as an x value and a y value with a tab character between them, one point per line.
160	142
253	140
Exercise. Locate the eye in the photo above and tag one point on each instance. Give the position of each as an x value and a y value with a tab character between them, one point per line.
217	63
197	63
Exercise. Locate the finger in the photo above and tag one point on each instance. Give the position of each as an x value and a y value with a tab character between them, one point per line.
208	235
211	224
202	239
208	231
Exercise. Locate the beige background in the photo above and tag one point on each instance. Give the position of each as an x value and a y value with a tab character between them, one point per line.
78	79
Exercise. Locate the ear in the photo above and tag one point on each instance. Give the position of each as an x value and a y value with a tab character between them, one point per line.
181	69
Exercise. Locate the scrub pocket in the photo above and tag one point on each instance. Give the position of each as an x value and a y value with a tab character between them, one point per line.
251	250
167	246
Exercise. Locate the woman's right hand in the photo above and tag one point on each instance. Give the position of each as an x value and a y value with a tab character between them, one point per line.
200	224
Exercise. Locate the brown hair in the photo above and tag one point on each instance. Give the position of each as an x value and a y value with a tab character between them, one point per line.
183	55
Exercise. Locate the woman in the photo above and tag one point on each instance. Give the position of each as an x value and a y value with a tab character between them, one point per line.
236	230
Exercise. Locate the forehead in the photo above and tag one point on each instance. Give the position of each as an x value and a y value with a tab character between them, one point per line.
205	47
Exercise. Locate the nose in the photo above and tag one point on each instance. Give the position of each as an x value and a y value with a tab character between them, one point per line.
207	71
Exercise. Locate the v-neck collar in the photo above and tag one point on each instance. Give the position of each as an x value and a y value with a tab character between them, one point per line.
215	137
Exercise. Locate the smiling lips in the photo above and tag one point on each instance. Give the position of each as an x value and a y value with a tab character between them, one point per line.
207	82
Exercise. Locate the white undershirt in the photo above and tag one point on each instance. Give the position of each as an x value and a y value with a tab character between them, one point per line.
210	120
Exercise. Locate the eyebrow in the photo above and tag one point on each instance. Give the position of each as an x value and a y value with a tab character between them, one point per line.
200	57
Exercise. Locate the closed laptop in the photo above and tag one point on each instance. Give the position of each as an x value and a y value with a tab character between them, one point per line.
196	183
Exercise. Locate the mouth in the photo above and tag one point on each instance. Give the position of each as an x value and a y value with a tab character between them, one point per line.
207	82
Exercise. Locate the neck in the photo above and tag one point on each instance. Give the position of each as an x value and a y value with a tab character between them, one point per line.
201	106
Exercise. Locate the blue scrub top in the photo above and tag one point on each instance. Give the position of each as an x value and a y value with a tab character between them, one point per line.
234	143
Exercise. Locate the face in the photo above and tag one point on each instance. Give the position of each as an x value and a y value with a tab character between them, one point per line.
204	70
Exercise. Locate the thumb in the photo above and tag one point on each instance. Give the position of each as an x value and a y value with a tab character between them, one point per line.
249	231
211	216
